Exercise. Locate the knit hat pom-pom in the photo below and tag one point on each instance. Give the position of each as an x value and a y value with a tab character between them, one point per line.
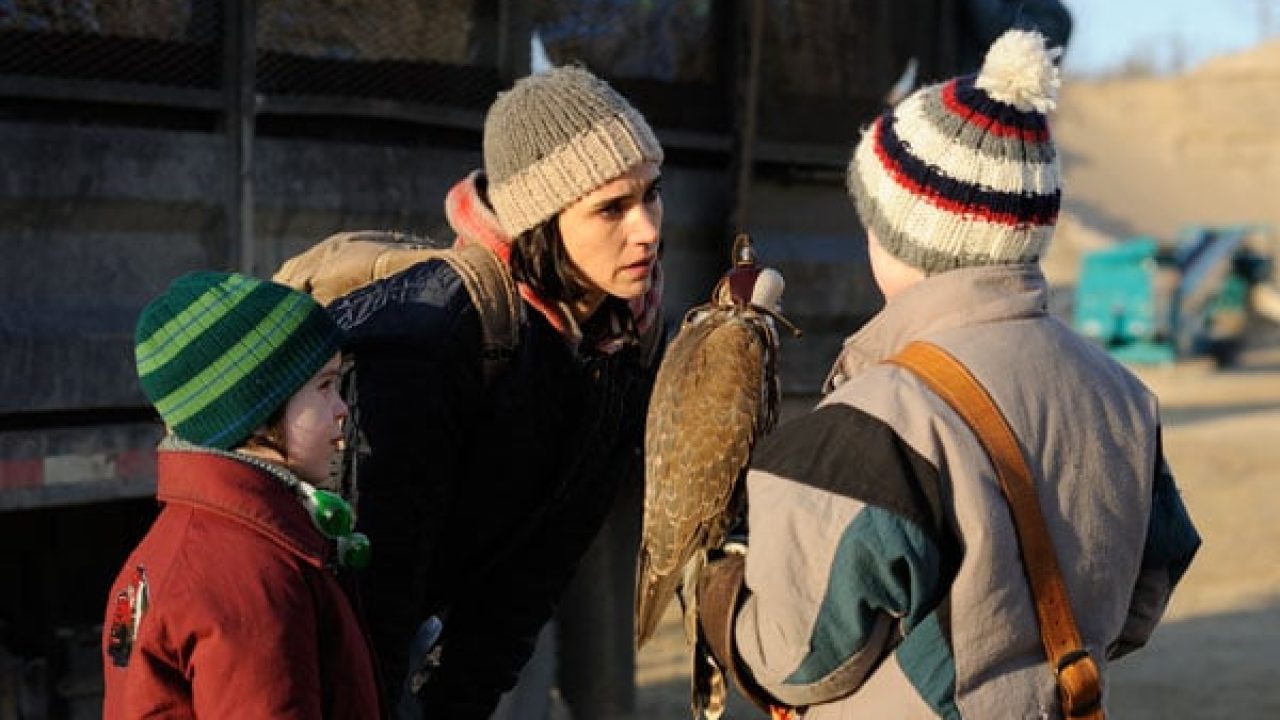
1020	71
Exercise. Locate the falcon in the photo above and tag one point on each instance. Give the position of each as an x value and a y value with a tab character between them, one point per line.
716	393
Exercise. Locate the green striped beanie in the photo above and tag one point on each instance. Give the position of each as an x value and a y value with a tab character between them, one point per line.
218	353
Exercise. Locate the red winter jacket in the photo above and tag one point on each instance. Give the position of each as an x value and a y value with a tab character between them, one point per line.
227	607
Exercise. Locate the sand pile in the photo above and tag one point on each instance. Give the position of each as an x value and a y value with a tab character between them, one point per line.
1148	155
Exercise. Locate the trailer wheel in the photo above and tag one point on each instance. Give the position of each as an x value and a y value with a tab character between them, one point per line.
1225	352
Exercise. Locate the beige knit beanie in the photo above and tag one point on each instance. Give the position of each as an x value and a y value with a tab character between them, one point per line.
553	138
964	173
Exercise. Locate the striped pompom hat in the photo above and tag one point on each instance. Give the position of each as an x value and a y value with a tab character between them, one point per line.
218	353
964	173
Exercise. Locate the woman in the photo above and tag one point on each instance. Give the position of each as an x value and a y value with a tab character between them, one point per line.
231	605
481	493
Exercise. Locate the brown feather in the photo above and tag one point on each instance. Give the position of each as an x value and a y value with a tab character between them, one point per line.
715	393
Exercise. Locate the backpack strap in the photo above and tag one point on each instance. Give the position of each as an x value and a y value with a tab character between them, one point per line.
346	261
1078	678
493	292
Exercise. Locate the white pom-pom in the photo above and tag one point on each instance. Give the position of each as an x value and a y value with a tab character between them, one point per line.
1020	71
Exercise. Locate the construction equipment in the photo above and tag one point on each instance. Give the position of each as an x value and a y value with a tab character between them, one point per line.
1149	304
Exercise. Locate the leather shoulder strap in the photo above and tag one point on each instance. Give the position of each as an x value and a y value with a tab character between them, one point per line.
1078	677
493	291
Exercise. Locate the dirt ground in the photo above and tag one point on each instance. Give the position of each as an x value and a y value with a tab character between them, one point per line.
1218	652
1149	155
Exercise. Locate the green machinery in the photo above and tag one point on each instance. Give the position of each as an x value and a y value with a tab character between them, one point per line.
1151	305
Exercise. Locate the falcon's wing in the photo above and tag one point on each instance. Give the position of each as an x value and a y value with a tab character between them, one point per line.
703	419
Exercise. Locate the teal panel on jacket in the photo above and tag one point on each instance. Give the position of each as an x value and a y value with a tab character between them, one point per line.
926	659
883	564
1172	540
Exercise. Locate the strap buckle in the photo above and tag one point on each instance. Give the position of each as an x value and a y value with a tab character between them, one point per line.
1070	659
1085	696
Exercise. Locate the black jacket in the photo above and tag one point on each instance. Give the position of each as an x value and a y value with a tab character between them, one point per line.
479	501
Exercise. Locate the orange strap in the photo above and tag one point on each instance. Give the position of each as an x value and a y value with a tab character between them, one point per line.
1079	680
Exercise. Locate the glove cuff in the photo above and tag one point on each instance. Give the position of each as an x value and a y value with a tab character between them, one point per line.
719	597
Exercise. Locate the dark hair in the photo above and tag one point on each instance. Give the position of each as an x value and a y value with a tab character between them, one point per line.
539	260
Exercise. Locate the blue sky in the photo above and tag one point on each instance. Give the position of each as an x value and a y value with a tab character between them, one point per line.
1109	32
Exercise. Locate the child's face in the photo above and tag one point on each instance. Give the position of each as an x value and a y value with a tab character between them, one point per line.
312	425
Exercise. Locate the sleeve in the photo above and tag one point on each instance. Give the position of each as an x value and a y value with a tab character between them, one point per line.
849	557
232	629
1171	544
259	655
412	387
490	634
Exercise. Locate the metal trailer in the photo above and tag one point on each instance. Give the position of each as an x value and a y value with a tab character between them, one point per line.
142	140
1151	305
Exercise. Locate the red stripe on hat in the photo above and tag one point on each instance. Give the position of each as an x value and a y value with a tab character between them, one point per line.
988	123
934	197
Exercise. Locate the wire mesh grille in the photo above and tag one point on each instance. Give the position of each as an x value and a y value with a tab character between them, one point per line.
816	47
824	70
434	51
667	40
163	42
820	69
664	55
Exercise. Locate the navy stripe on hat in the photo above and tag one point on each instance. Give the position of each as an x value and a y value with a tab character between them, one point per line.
964	173
1004	207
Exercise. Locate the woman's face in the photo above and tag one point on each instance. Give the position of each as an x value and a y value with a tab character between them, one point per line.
312	425
611	235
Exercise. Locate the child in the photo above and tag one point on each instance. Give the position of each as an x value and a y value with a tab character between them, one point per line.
231	605
886	576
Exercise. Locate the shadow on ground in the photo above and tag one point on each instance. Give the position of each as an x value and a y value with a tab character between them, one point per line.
1213	667
1210	667
669	700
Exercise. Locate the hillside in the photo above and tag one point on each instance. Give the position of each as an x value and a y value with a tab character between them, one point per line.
1150	154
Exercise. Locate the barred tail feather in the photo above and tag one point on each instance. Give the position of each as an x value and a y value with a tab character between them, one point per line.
653	594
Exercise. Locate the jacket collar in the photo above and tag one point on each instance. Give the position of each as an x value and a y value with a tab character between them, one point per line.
472	218
240	488
957	298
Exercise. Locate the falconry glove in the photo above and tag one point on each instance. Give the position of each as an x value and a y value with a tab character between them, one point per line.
720	596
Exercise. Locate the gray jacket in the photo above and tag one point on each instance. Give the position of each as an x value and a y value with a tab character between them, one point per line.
884	578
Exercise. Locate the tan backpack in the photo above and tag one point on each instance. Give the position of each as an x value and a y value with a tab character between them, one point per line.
346	261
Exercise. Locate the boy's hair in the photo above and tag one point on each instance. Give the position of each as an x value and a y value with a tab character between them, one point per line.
271	436
219	353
